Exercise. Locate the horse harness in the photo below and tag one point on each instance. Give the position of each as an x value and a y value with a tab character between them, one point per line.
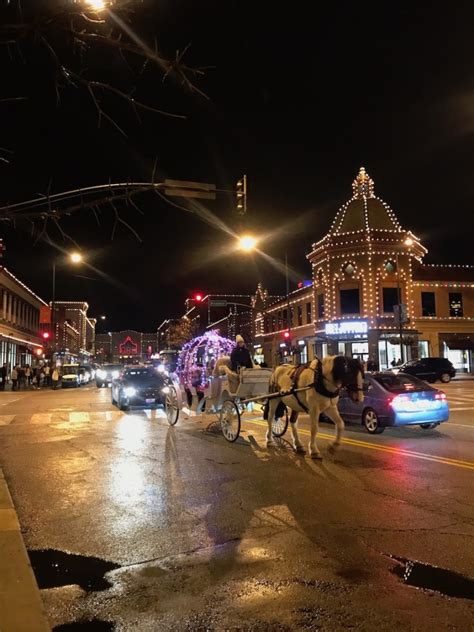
318	383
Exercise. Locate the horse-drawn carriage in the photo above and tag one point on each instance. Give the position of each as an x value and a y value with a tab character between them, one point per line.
228	396
312	388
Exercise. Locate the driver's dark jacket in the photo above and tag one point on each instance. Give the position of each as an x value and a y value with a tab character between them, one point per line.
240	356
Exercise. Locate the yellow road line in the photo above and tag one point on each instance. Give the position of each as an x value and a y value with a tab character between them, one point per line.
468	465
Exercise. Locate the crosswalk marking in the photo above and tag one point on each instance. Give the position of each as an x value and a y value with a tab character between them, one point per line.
77	417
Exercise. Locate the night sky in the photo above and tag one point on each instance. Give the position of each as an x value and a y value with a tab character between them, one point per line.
298	100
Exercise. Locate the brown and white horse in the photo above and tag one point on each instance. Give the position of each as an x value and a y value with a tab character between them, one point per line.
325	379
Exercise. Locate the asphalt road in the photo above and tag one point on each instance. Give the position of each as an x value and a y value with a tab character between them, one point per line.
207	535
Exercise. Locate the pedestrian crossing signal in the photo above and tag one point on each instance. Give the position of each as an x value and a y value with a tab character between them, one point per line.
241	194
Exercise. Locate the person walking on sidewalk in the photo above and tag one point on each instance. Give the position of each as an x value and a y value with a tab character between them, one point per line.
15	378
28	376
47	375
55	378
3	377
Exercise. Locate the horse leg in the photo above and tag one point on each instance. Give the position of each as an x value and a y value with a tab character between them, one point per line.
272	406
298	446
313	448
334	415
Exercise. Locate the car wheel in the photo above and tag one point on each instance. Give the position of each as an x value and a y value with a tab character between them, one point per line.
445	378
429	426
371	421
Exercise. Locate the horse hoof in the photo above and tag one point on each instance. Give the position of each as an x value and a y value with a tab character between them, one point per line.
316	456
332	448
299	449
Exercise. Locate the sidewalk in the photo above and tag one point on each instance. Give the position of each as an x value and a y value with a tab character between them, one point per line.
21	609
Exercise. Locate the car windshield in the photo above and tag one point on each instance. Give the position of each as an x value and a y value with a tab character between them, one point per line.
401	383
140	375
112	367
70	370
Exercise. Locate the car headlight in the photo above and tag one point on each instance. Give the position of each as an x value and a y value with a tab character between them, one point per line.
130	391
161	368
101	374
115	374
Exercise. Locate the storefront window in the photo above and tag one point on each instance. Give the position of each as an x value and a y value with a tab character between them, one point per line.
458	357
303	353
350	302
300	314
360	350
455	304
423	349
341	348
309	318
428	304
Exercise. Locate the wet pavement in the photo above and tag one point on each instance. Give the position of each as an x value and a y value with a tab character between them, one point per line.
134	525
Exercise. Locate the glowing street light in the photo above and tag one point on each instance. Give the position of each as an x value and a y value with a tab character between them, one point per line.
75	257
247	243
97	5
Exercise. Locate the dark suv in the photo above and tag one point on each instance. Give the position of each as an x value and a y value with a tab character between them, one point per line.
429	369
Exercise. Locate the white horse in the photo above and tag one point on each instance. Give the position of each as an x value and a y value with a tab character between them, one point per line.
325	379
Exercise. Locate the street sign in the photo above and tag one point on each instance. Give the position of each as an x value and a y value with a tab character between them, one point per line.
217	303
185	188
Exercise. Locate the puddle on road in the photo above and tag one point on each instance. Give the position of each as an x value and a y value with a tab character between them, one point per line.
95	625
434	578
54	568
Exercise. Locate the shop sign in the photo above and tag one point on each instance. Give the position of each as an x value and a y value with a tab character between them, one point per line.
346	327
301	343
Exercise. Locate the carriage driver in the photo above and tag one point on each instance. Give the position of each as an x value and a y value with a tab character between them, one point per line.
240	356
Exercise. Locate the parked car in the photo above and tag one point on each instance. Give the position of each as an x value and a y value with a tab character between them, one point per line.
429	369
139	386
106	373
395	400
88	373
72	375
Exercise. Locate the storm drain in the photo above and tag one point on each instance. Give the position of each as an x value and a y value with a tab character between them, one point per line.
434	578
95	625
54	569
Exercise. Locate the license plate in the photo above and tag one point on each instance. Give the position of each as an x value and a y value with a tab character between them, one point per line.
150	401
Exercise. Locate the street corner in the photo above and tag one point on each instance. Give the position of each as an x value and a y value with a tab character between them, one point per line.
21	608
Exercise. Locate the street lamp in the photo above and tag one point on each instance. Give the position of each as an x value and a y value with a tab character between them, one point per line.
247	243
97	5
74	257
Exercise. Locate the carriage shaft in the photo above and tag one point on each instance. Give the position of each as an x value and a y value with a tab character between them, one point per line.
260	398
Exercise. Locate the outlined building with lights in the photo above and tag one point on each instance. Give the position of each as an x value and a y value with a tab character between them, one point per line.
372	295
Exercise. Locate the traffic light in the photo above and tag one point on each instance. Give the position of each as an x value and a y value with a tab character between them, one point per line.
198	297
46	335
241	194
286	334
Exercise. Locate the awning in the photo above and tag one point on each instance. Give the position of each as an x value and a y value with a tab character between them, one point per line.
459	342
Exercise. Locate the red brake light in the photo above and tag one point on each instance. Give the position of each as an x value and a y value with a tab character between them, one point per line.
440	395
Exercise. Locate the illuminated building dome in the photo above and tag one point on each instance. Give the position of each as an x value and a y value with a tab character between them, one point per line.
364	210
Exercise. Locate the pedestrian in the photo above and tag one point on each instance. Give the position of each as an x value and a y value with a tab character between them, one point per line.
55	378
47	375
28	376
15	378
37	377
240	356
3	377
21	378
371	364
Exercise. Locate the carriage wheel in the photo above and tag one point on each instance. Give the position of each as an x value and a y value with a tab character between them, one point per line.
280	424
230	420
171	406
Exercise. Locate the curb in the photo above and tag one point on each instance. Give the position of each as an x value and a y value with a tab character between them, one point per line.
21	608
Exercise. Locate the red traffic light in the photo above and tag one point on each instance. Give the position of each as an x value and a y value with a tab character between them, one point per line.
46	335
198	298
286	334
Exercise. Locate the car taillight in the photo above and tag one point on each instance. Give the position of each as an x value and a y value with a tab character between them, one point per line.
398	399
440	395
